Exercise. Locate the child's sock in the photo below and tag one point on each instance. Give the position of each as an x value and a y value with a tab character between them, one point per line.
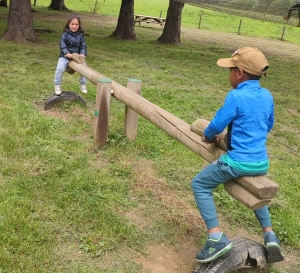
215	235
269	232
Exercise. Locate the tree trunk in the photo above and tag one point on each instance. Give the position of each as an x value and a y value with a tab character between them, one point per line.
20	23
3	3
125	26
58	5
171	32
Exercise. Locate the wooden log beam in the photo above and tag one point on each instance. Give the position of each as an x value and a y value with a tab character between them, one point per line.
173	126
260	186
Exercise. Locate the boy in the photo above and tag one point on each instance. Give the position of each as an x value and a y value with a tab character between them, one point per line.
248	112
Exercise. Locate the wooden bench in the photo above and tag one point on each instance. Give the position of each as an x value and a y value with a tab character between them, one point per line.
149	20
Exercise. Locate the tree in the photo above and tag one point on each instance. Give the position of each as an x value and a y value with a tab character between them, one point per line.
171	31
58	5
125	26
20	23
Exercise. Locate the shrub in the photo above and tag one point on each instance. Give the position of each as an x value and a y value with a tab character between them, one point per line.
279	7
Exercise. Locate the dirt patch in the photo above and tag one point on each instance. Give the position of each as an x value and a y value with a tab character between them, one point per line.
164	259
234	41
179	258
179	211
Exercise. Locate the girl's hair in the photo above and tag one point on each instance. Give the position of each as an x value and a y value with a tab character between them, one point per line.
71	17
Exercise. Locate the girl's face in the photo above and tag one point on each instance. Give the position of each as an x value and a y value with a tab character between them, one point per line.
74	25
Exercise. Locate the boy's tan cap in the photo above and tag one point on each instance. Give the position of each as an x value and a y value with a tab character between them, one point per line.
249	59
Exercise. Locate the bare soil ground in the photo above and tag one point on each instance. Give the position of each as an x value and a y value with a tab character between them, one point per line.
162	258
234	41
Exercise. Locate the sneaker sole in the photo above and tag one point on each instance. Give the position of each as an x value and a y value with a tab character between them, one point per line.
274	252
218	254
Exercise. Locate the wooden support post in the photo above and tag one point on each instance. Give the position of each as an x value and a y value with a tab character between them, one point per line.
200	21
102	111
240	25
131	117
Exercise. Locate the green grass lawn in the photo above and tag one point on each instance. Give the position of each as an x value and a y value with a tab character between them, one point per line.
64	204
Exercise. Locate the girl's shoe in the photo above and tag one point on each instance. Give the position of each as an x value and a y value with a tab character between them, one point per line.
57	90
83	88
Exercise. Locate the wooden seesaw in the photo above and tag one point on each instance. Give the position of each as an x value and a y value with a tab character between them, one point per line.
253	192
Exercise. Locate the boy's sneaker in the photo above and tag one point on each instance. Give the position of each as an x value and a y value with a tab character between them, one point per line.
214	249
274	251
83	88
57	90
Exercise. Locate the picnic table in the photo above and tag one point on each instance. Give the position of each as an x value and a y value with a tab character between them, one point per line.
149	20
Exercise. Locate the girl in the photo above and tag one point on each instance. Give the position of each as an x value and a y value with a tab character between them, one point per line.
71	41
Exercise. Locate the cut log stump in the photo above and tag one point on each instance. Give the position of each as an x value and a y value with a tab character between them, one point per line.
245	254
65	96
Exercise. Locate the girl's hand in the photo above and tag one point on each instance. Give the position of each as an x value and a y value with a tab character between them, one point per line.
68	55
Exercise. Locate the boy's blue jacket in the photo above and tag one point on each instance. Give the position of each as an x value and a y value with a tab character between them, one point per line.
248	111
72	42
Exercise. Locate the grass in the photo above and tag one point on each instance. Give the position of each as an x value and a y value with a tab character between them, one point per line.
262	25
67	206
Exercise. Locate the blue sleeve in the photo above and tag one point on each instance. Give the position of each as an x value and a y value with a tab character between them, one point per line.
83	47
63	44
222	118
271	119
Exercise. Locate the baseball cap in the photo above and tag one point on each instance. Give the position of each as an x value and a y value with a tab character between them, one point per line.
249	59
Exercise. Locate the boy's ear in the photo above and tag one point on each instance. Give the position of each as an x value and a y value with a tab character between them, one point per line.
242	74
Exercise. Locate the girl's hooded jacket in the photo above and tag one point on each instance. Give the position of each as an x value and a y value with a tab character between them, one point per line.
72	42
